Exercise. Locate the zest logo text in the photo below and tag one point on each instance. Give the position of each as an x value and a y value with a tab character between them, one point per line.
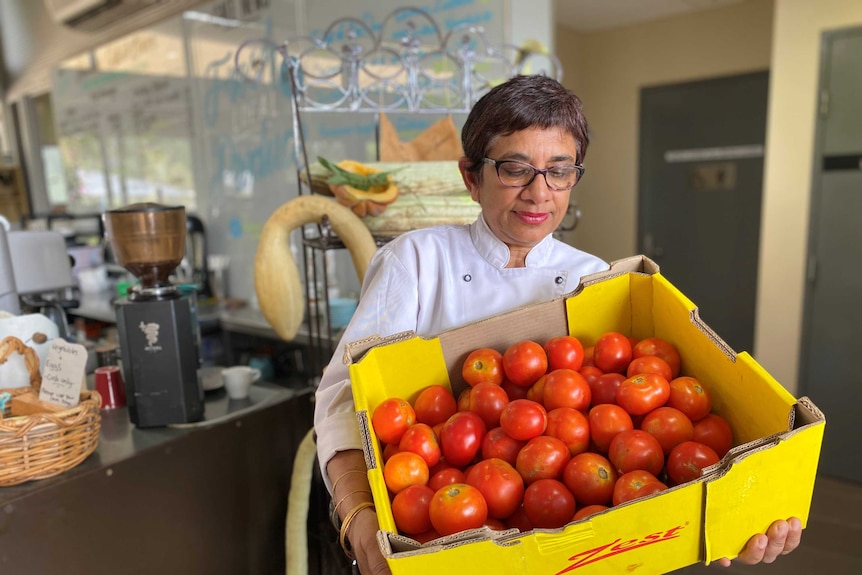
620	546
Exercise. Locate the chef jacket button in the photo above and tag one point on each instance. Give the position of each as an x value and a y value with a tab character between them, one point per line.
467	277
559	280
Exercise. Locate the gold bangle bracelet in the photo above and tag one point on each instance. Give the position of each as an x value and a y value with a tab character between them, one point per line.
343	499
343	475
345	525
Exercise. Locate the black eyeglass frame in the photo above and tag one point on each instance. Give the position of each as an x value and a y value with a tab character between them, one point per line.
536	171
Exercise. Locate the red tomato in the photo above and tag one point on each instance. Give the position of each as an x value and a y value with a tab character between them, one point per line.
642	393
421	440
410	509
487	400
445	476
434	404
566	388
518	520
390	450
649	364
483	364
403	470
564	351
606	421
585	512
457	507
536	392
391	418
500	485
498	443
589	357
591	478
548	504
690	397
439	429
495	524
461	438
525	362
687	460
604	388
515	391
670	426
613	352
636	484
464	399
571	427
590	373
543	457
636	449
662	348
714	431
524	419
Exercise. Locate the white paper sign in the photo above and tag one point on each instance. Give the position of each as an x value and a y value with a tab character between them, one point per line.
63	373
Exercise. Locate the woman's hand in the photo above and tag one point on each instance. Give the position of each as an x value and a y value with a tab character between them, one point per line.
349	480
781	538
363	540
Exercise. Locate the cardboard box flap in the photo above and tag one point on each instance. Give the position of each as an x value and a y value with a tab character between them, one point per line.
397	543
807	413
538	322
632	264
354	351
774	480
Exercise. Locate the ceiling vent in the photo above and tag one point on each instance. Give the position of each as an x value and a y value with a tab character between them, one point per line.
92	15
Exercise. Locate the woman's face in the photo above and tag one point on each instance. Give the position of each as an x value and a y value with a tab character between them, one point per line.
522	217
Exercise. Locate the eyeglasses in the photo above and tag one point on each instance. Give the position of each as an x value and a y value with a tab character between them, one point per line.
515	174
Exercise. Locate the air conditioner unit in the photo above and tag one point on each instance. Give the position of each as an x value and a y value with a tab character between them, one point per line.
92	15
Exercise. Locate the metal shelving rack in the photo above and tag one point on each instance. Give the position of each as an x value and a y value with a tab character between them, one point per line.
407	65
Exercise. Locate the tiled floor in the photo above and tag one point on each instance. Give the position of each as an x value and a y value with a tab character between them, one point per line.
830	543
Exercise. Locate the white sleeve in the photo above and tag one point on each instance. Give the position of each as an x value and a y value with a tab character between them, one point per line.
387	305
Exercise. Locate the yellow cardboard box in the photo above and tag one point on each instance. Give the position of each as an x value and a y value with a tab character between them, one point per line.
768	475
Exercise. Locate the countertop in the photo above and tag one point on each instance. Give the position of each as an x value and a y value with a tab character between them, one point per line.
204	498
119	439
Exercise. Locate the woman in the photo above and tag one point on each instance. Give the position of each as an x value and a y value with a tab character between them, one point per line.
524	145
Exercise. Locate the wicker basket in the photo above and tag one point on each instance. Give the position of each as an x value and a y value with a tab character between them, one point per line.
43	445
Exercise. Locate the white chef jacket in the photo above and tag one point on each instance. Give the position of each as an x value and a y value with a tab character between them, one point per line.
432	280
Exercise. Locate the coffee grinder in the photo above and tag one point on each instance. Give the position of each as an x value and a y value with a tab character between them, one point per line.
157	322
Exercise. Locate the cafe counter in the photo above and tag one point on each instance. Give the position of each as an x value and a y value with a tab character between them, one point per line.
204	498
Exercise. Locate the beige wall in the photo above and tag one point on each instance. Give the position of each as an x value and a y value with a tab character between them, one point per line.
607	69
797	33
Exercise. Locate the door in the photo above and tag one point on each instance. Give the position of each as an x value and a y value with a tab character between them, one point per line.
700	188
829	371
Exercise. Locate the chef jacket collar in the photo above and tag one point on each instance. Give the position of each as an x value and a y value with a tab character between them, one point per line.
496	252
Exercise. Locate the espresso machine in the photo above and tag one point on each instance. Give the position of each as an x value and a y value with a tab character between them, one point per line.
157	322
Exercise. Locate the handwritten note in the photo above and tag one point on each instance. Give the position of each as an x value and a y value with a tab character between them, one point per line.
63	373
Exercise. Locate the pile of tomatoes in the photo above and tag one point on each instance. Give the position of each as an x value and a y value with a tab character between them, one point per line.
546	434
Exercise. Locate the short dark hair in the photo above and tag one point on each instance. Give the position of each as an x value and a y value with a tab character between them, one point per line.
520	103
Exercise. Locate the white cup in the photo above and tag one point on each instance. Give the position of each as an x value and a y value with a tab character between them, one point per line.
238	380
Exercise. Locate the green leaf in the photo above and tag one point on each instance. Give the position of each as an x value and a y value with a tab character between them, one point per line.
358	181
